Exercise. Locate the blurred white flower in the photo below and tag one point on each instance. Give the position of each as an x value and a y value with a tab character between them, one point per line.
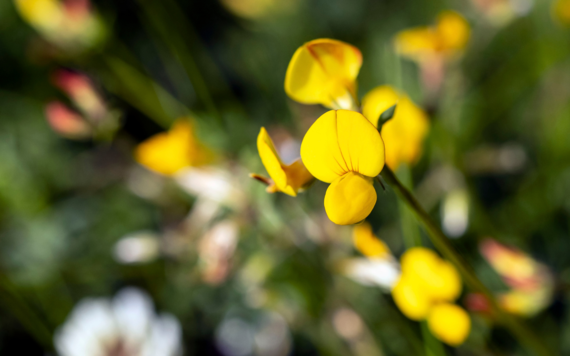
138	247
380	272
125	326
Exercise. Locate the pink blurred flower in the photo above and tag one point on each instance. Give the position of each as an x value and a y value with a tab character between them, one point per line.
66	122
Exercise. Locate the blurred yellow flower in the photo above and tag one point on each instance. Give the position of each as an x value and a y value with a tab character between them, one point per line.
445	39
561	12
410	299
324	71
45	15
449	323
426	287
70	25
169	152
404	134
288	179
343	148
367	243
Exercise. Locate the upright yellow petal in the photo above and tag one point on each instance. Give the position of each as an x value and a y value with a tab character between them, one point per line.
288	179
453	31
324	71
449	323
367	243
342	141
350	199
271	160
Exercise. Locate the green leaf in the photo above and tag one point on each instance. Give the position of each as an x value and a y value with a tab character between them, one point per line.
386	115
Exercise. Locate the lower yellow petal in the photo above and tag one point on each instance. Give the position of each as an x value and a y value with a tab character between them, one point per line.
350	199
449	323
367	243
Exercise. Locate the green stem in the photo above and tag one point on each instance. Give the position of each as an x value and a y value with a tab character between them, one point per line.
441	242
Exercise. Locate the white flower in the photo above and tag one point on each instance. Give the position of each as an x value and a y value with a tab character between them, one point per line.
124	326
379	272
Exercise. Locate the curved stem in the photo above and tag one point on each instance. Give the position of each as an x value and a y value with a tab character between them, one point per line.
441	242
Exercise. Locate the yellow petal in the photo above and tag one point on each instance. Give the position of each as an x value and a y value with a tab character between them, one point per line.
350	199
417	43
287	178
366	242
45	15
167	152
378	100
342	141
324	72
453	31
404	134
449	323
270	159
438	279
561	12
410	299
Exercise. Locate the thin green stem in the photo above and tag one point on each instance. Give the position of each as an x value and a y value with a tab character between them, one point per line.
441	242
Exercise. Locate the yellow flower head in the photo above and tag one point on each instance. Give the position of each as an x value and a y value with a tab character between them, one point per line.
367	243
438	279
324	71
561	12
343	148
449	323
288	179
426	281
446	38
45	15
404	134
169	152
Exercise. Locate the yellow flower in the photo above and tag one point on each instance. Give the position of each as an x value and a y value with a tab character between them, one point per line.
324	71
426	285
288	179
437	278
45	15
343	148
169	152
449	323
448	37
410	298
404	134
367	243
561	12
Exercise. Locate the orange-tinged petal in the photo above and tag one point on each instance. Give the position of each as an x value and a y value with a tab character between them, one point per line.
342	141
367	243
410	299
350	199
324	71
449	323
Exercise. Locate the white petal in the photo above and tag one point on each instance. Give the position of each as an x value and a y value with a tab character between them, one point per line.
165	337
133	311
381	272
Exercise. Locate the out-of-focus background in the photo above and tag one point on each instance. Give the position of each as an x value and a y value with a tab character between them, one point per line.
100	253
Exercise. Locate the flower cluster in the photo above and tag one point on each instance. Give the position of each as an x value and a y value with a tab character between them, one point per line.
344	147
427	289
